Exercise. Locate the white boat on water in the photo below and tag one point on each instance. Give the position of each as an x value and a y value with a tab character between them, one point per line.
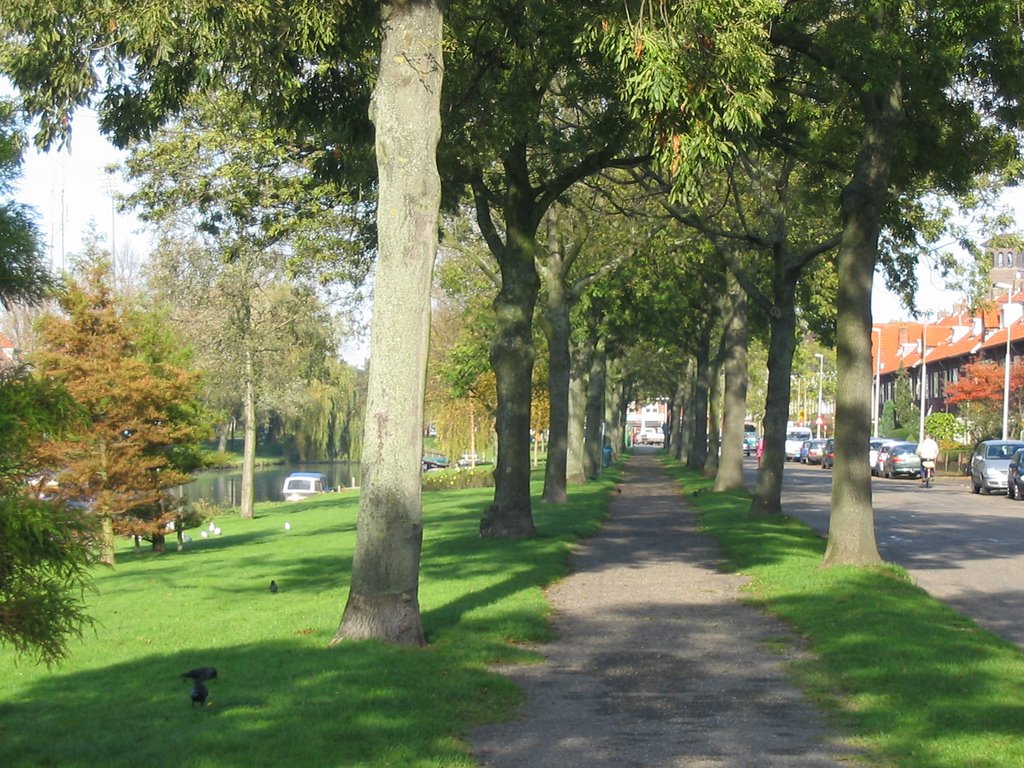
302	485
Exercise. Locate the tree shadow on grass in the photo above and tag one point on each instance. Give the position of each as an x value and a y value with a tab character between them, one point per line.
272	704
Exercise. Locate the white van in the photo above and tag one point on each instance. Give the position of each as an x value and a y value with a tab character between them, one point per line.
795	439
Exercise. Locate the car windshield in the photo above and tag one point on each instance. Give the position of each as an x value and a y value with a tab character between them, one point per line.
1001	451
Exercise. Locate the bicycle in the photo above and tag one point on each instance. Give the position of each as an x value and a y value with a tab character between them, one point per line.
927	472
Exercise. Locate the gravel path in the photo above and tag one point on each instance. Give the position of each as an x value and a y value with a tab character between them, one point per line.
657	662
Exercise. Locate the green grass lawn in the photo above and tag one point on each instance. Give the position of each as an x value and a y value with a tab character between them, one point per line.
913	683
283	698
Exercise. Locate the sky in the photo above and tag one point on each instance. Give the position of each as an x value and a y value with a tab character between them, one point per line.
69	189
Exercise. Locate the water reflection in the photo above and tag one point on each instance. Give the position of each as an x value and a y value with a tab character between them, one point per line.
224	487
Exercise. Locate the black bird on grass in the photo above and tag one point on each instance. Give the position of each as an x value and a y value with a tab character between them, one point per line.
199	694
201	674
273	586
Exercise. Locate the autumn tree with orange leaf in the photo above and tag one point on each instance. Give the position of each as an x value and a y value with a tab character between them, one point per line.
978	394
139	403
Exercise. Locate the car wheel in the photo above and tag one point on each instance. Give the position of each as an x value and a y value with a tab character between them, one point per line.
975	487
1011	490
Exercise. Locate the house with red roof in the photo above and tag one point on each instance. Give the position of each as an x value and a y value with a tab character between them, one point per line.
940	348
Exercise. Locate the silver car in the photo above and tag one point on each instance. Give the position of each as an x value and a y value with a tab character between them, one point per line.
990	462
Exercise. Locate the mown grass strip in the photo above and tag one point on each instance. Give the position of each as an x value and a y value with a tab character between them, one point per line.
906	678
282	696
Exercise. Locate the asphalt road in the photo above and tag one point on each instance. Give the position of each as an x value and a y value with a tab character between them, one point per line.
964	549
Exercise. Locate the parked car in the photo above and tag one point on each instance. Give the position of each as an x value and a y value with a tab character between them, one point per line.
873	446
828	458
651	436
901	460
815	451
750	439
990	462
883	452
1014	481
795	439
435	461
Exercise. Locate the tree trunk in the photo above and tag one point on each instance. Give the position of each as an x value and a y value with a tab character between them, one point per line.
559	363
688	392
383	600
247	500
593	441
574	471
698	453
714	419
734	343
677	436
614	406
782	344
512	356
106	540
851	531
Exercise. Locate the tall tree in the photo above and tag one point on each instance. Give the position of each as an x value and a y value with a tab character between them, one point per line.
525	123
383	601
310	66
46	548
933	93
139	411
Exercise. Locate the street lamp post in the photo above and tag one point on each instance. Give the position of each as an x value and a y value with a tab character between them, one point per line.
924	377
1006	362
877	389
821	374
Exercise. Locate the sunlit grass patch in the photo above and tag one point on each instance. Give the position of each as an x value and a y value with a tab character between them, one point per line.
282	696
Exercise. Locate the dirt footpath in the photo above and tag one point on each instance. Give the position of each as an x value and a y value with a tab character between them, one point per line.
657	662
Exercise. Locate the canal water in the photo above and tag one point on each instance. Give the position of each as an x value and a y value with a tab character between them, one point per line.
223	487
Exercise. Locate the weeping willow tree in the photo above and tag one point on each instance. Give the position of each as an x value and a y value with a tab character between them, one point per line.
329	423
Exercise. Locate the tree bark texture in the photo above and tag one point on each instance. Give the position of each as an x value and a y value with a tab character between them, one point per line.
383	601
851	531
735	338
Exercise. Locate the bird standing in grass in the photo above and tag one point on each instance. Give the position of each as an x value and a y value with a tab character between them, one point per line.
273	586
201	674
199	694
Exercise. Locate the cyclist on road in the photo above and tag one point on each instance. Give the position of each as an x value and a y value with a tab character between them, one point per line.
928	450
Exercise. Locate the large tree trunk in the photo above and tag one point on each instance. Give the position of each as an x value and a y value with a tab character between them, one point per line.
247	501
851	531
782	344
512	356
734	343
383	600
